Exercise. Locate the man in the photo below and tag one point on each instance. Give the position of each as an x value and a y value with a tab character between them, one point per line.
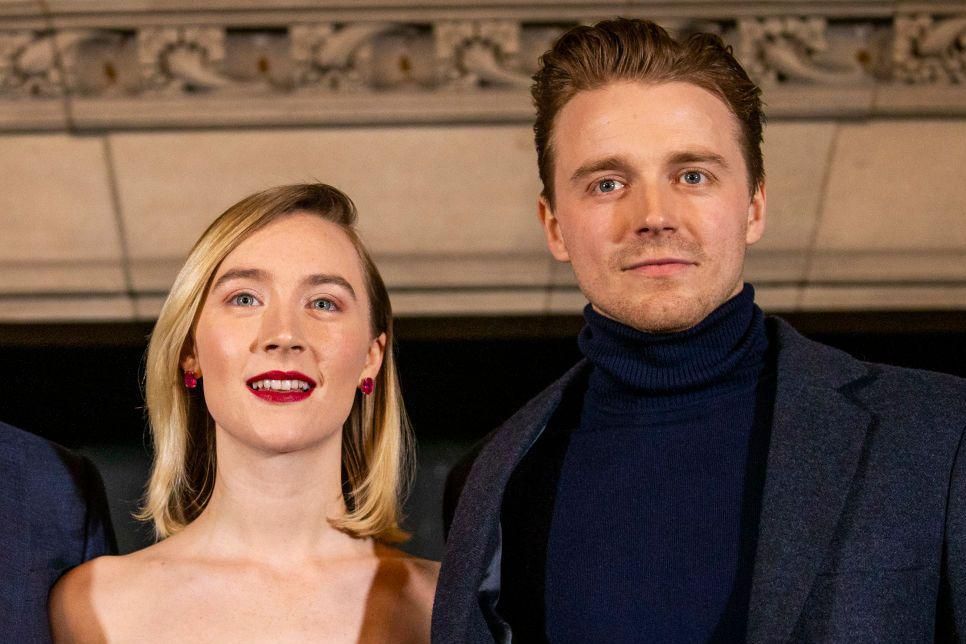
706	473
53	516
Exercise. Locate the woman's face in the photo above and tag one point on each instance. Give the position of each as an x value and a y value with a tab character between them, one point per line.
283	338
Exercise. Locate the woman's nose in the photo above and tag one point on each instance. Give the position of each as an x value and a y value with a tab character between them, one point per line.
280	332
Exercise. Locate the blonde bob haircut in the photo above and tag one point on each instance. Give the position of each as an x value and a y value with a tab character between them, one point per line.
376	440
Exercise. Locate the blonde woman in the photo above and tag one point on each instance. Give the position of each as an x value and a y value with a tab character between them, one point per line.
281	448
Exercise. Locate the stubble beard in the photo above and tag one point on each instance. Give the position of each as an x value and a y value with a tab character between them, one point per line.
658	305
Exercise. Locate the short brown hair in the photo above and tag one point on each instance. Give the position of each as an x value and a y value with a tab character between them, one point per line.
623	49
376	441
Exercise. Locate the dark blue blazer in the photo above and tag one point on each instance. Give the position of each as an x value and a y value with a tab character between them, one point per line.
862	536
53	516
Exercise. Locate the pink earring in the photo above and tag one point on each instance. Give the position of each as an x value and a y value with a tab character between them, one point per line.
366	386
190	380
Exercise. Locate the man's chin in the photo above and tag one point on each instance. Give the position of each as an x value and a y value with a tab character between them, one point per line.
668	314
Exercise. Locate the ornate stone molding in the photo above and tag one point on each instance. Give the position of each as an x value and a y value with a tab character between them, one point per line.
99	64
928	49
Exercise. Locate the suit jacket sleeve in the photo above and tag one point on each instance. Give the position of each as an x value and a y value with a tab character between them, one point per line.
99	533
952	603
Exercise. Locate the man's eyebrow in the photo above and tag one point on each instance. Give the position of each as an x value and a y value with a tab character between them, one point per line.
240	274
618	164
322	279
697	156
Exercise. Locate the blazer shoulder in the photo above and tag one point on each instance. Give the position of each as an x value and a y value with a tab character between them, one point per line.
899	391
42	455
68	485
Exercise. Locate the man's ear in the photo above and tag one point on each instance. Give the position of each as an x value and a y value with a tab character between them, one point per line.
377	349
756	215
551	228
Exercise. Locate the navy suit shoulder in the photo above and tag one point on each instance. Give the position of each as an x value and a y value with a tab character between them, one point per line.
54	514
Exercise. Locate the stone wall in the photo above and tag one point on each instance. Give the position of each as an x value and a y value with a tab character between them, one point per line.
126	127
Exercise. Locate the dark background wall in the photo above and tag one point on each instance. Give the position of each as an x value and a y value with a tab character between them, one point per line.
80	385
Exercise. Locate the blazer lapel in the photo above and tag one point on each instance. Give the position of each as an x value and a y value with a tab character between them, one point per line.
469	581
817	436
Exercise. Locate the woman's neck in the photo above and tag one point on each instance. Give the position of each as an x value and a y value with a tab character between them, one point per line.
275	508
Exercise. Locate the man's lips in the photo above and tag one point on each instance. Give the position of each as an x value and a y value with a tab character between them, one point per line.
660	266
281	386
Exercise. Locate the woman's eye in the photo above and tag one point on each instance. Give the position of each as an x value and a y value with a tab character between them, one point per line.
323	304
244	299
692	177
608	185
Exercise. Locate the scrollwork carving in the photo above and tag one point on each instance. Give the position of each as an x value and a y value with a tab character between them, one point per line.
336	57
182	58
480	53
28	64
930	50
417	52
798	50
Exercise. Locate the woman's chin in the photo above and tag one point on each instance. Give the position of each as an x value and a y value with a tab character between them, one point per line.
284	441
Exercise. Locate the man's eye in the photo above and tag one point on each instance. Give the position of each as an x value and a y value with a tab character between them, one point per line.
692	177
608	185
323	304
244	299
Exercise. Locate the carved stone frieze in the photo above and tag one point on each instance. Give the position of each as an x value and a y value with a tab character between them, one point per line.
481	53
28	65
807	50
929	49
182	58
395	54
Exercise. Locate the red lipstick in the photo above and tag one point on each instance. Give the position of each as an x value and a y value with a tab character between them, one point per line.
281	386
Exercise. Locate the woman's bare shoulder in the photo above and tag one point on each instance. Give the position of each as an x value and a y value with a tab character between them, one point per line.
86	600
420	574
425	574
77	603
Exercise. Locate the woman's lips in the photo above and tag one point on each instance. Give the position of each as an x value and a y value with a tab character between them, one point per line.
281	386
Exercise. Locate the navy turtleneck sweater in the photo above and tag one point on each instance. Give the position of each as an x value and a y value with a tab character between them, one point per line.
634	517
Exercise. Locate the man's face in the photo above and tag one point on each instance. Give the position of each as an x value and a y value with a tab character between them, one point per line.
652	202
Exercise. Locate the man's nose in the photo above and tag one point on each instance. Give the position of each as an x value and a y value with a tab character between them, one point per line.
653	211
280	331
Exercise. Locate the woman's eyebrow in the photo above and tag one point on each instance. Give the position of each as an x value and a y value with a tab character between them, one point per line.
323	279
240	273
317	279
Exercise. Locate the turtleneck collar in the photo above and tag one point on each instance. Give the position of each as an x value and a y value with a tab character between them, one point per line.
723	351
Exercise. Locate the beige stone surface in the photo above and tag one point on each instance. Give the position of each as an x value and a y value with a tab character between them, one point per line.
904	265
796	156
565	301
87	309
782	265
778	299
884	298
59	227
419	190
469	269
507	302
897	185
